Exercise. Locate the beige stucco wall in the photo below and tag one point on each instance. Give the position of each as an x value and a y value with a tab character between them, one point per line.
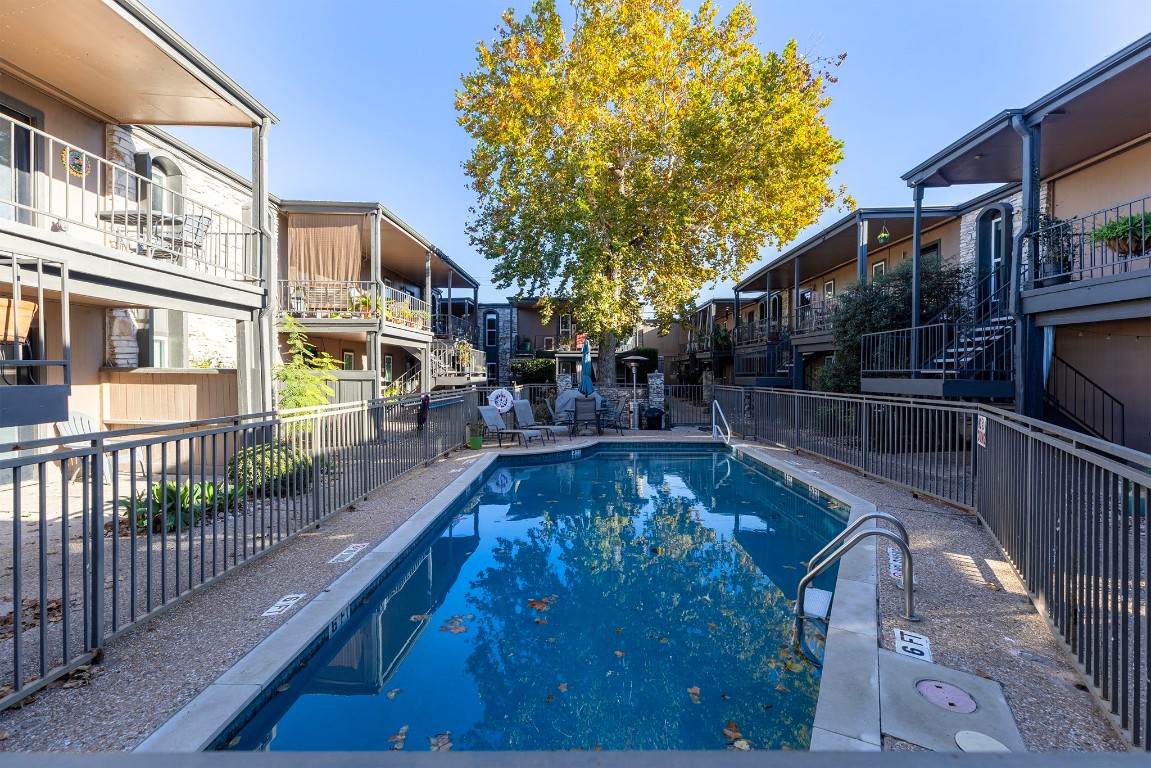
1120	364
1111	182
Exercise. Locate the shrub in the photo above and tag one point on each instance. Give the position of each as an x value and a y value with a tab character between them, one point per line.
273	469
534	370
162	505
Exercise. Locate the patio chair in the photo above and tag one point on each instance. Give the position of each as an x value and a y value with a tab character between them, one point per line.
616	417
494	422
83	424
558	418
585	413
172	242
526	419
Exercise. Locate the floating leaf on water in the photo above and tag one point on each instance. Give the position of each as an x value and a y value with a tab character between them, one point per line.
712	625
563	687
551	639
420	617
441	742
782	688
397	739
618	654
792	567
458	629
742	745
663	640
694	693
541	621
793	666
282	688
724	696
731	730
618	630
550	697
393	693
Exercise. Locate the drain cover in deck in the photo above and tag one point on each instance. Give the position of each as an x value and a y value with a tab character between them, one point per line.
946	696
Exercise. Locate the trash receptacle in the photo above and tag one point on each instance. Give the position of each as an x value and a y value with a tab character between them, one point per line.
653	418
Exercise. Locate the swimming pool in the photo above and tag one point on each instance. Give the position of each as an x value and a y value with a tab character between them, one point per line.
620	600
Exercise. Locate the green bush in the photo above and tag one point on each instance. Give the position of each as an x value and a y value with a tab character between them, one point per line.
534	370
164	504
273	469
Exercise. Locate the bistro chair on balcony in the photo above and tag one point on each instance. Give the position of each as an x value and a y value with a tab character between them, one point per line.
174	242
526	419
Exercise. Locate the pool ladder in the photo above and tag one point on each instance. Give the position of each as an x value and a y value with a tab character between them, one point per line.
814	605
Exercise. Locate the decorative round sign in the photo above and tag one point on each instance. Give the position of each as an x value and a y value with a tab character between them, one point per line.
501	399
76	162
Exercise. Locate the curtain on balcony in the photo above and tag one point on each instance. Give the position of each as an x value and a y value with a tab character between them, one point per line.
323	247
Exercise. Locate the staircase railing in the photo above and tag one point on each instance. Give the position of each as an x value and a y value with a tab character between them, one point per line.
968	339
1090	406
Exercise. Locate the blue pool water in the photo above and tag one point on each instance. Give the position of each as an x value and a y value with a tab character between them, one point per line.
619	601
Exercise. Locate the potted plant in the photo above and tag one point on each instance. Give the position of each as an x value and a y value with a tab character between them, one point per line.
564	342
8	311
475	435
366	305
884	236
1057	246
1126	235
421	318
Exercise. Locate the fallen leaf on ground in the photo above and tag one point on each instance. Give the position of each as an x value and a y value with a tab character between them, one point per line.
992	587
981	673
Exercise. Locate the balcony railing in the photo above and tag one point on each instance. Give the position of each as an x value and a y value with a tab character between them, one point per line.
816	318
549	342
1113	241
761	331
774	360
458	359
330	298
452	327
62	188
403	309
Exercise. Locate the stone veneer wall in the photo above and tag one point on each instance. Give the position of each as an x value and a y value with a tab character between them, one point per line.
503	352
122	350
969	224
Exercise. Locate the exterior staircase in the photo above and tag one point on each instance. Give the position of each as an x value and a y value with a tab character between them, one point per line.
1075	401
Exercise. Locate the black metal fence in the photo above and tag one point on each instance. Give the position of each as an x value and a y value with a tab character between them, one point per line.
1069	510
100	531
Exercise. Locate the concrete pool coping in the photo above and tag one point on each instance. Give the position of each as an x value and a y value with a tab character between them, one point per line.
847	712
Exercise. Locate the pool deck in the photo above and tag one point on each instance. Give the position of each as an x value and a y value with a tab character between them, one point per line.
975	613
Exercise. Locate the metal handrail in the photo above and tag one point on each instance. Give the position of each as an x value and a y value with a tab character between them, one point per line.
818	556
908	573
715	433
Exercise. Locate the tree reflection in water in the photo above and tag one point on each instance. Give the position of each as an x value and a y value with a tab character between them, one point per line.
596	629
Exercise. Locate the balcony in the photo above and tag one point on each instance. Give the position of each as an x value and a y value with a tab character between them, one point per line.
457	364
33	388
763	331
767	366
61	189
330	299
402	310
1113	243
816	318
455	328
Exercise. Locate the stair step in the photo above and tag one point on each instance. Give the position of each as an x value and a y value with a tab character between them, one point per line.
816	603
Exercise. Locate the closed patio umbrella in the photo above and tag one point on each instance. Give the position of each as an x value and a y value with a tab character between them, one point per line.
586	387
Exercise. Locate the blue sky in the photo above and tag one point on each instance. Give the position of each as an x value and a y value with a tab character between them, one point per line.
364	89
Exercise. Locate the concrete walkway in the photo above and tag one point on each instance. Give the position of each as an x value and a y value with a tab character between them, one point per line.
975	613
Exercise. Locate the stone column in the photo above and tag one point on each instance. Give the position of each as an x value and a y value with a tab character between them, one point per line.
708	381
563	382
655	390
123	350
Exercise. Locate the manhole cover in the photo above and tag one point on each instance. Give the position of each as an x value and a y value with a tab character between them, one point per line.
946	696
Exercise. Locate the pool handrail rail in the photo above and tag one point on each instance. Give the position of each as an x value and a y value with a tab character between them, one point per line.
716	434
908	570
851	528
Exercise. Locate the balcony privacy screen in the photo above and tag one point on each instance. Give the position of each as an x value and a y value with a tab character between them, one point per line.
324	246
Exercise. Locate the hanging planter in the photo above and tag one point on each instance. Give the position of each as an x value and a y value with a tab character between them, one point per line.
884	236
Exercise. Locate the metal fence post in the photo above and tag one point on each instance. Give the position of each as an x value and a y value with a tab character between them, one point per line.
795	399
95	535
865	437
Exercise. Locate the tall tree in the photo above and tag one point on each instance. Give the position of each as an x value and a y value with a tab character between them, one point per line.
648	153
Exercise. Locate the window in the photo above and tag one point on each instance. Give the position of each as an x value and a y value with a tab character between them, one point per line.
349	359
776	307
549	343
751	317
493	371
159	352
829	289
387	369
15	163
491	329
565	325
167	185
879	268
566	367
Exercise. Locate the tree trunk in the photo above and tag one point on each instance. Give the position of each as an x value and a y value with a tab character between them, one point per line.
605	364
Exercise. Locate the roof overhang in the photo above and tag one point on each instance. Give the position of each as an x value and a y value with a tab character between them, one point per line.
402	249
1105	107
838	244
116	60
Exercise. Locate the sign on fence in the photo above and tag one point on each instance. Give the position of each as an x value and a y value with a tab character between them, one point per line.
981	431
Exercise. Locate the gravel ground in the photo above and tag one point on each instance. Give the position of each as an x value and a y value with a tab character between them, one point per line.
975	612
